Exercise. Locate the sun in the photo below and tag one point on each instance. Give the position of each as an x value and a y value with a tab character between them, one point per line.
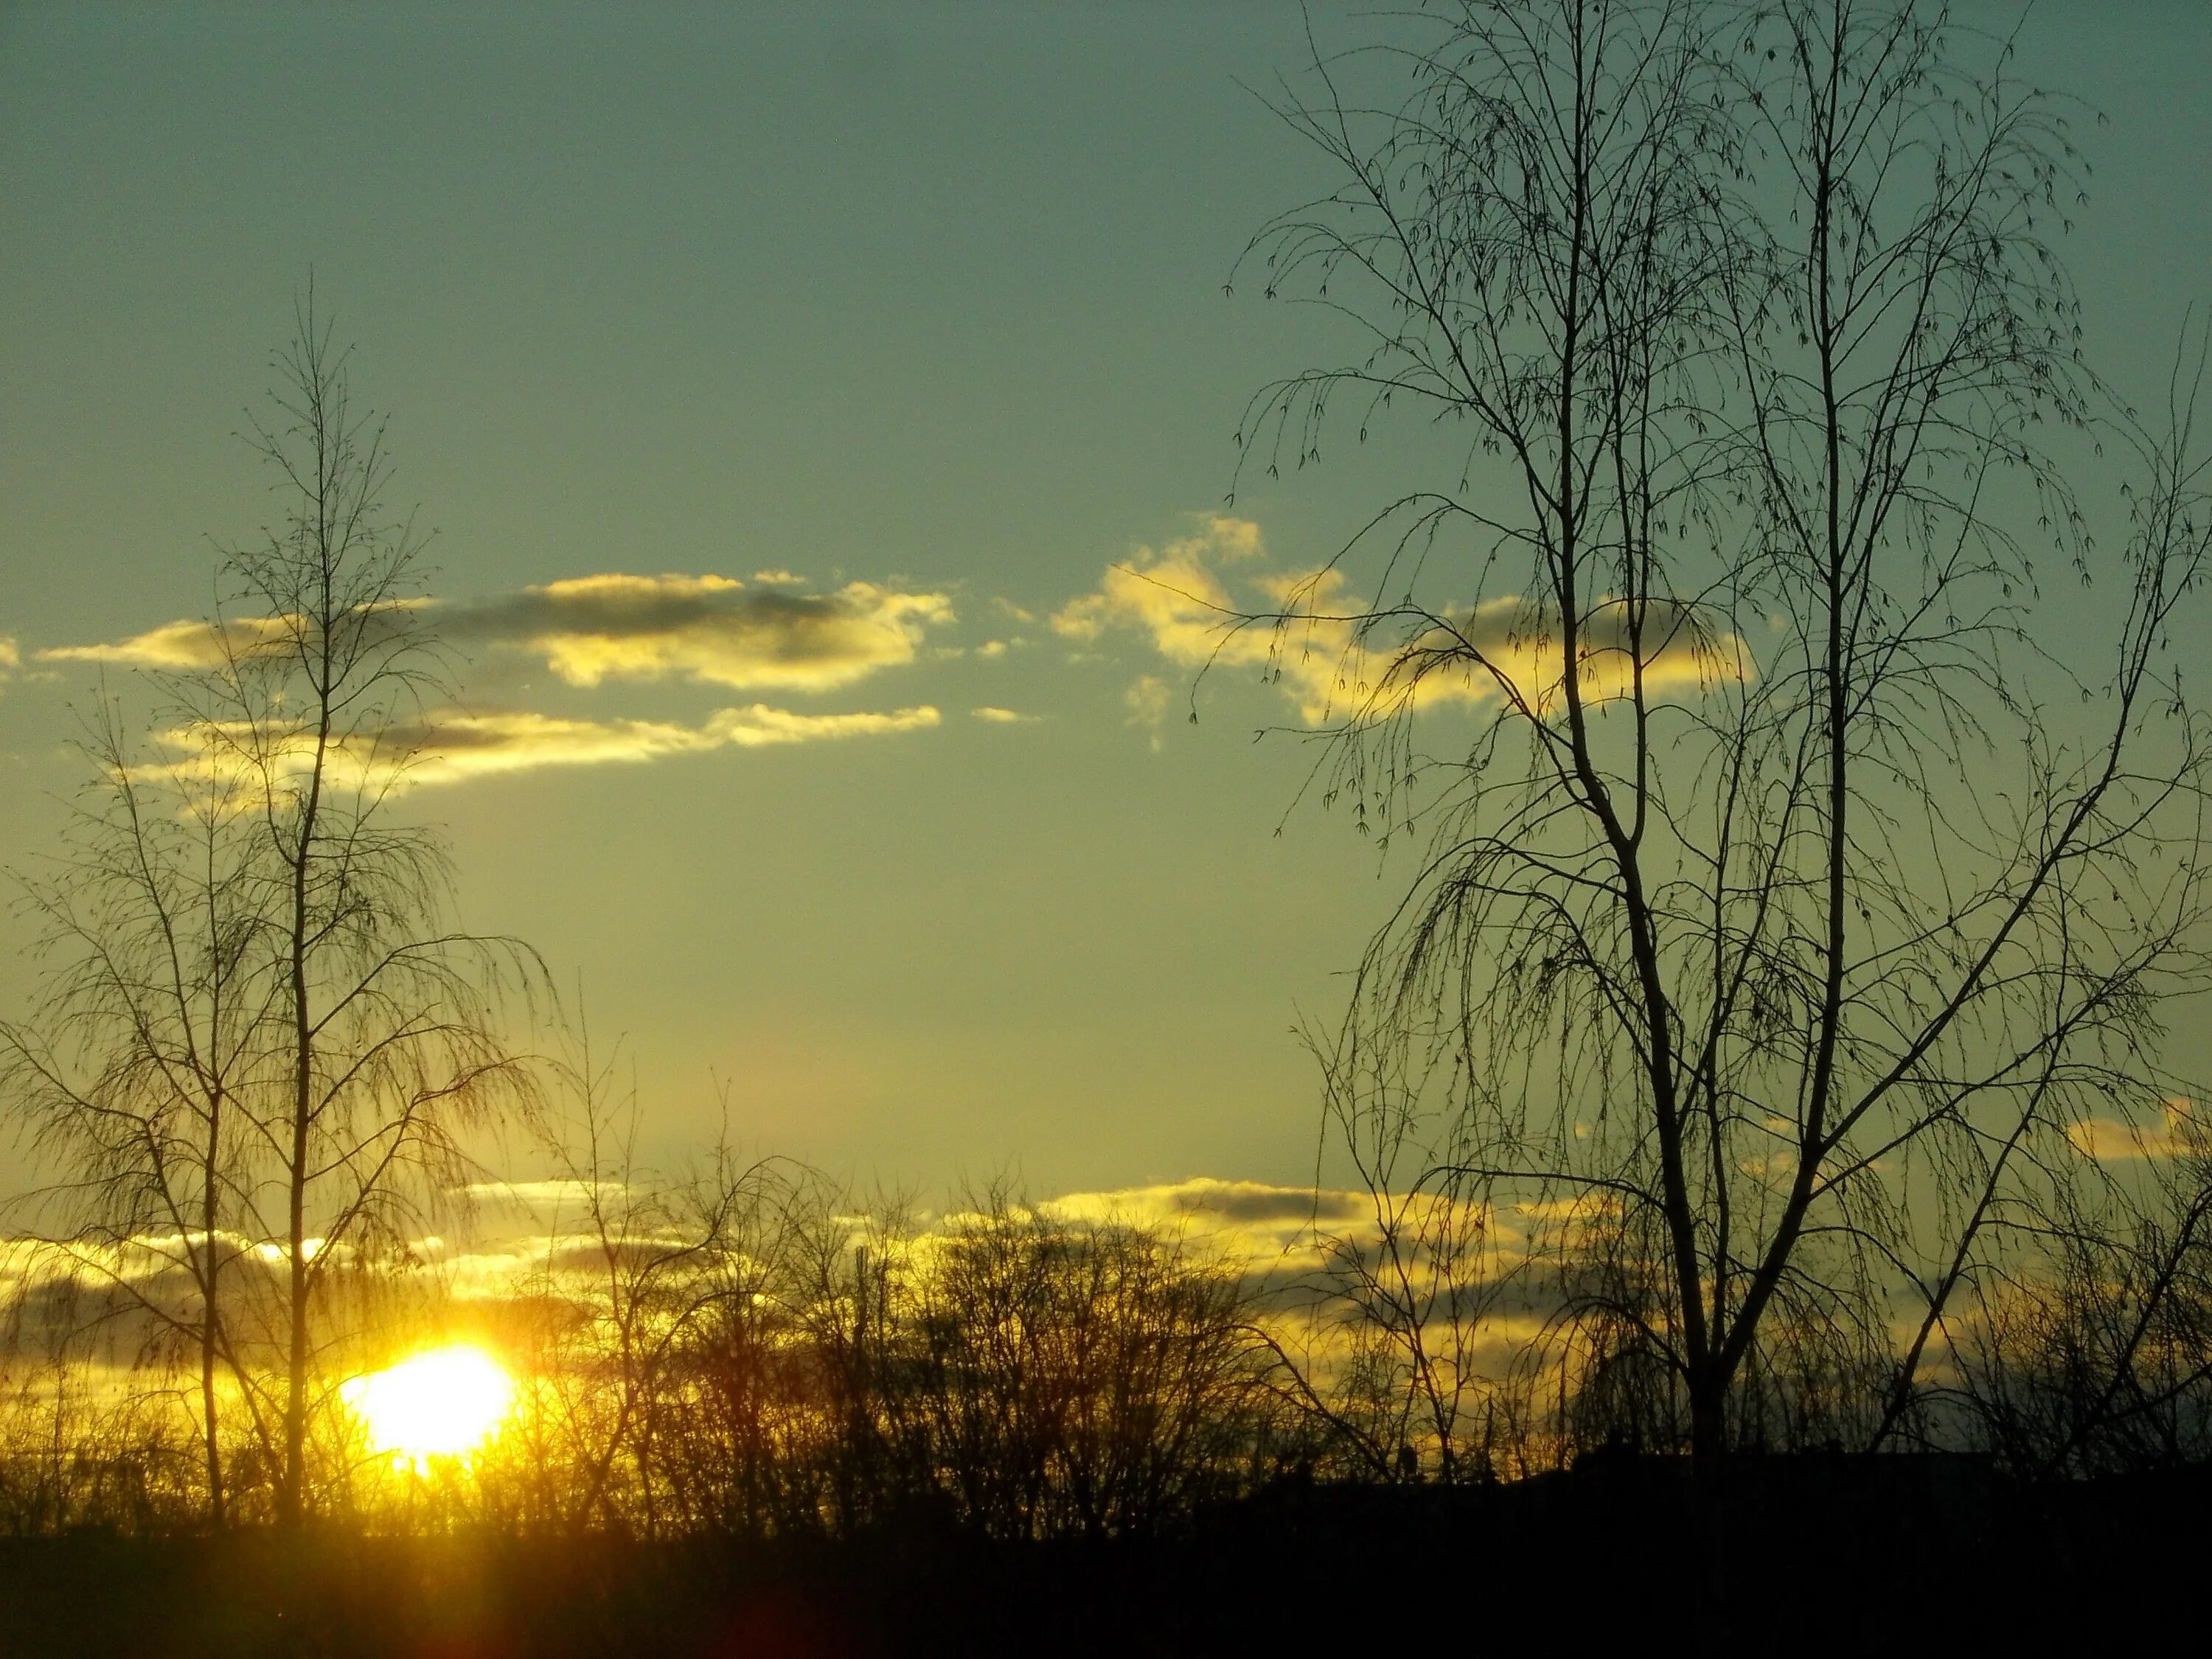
447	1402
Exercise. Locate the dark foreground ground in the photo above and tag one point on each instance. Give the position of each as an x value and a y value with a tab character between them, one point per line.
1774	1555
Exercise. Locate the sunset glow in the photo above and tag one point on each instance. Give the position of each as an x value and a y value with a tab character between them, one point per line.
449	1402
883	828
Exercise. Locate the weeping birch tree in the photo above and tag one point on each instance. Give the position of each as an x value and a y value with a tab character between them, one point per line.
1779	687
385	1043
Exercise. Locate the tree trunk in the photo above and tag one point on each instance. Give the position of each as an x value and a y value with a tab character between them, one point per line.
290	1504
216	1514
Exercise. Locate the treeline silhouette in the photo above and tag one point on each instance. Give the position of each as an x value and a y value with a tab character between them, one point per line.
747	1352
755	1414
747	1359
756	1409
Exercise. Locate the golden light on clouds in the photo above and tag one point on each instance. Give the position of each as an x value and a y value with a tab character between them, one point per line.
457	747
448	1402
589	631
1178	599
710	629
706	629
2109	1140
182	645
451	747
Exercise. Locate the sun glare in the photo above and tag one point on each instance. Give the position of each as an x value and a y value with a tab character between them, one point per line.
448	1402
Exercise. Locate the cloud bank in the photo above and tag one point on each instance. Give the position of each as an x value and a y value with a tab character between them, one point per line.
590	631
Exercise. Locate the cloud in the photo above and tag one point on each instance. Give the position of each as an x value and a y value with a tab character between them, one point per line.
1250	1204
456	747
1281	1236
709	630
535	1195
1005	716
706	629
588	630
11	658
1172	594
180	645
1335	658
1147	700
2109	1140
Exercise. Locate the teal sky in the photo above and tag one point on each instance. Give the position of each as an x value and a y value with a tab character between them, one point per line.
928	298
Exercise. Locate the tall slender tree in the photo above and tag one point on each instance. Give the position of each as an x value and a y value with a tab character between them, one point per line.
1806	880
388	1044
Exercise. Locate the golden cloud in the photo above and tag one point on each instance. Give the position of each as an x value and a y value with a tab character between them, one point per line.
1271	1229
455	747
181	644
707	630
710	629
1148	699
1305	633
2109	1140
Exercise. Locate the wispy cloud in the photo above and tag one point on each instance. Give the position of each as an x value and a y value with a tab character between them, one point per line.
457	747
1333	657
2109	1140
1172	594
589	631
1005	716
709	630
178	645
1287	1236
1148	699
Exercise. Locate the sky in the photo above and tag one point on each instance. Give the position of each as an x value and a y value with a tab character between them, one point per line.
784	386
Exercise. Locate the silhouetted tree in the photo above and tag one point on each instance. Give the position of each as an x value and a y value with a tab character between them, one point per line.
656	1276
1796	876
2094	1356
385	1045
134	1075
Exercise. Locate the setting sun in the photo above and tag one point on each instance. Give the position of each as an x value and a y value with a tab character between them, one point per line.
880	828
445	1403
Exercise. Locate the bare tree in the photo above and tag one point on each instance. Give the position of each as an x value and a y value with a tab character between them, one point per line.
1796	878
1402	1315
1054	1375
654	1272
2093	1354
134	1075
387	1043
